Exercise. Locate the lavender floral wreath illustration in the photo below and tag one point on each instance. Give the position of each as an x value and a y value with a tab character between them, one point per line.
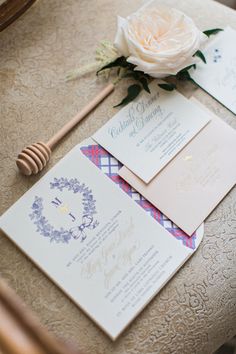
45	229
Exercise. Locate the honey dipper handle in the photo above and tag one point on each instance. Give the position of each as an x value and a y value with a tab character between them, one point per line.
88	108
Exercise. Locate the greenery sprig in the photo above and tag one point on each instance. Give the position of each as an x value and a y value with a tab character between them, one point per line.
127	70
107	60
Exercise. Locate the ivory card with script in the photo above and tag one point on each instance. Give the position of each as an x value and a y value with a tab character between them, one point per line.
218	76
147	133
197	179
94	241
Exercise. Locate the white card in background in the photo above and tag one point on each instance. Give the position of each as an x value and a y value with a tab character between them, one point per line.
94	241
147	133
218	76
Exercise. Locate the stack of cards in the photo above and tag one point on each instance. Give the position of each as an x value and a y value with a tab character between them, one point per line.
86	233
108	254
177	154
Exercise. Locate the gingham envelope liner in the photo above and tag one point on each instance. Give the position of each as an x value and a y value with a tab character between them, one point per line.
110	166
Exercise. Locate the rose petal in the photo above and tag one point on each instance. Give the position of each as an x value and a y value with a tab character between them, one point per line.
120	39
159	41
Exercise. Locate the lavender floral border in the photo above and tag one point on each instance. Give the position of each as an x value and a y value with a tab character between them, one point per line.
44	228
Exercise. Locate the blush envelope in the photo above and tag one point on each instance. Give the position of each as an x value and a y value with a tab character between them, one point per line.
197	179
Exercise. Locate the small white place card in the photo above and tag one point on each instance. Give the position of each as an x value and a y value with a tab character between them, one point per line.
147	133
94	241
218	76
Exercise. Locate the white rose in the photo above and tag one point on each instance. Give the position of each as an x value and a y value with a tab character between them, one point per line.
159	41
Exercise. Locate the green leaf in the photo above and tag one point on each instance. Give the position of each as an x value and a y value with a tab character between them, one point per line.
119	62
190	67
167	87
184	75
209	33
200	55
141	77
134	74
133	92
144	83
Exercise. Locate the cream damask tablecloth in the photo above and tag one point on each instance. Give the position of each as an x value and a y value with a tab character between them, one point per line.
195	312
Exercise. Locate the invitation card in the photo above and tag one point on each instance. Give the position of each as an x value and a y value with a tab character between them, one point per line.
218	77
103	160
107	254
197	179
147	133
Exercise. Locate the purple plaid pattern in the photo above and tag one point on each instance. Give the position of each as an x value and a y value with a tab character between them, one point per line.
110	166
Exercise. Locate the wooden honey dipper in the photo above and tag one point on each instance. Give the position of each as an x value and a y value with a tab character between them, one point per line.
34	158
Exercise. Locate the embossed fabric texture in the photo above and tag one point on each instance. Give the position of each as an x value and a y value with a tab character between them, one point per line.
195	312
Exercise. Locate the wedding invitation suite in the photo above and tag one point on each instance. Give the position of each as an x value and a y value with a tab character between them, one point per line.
197	179
218	76
103	160
107	254
147	133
